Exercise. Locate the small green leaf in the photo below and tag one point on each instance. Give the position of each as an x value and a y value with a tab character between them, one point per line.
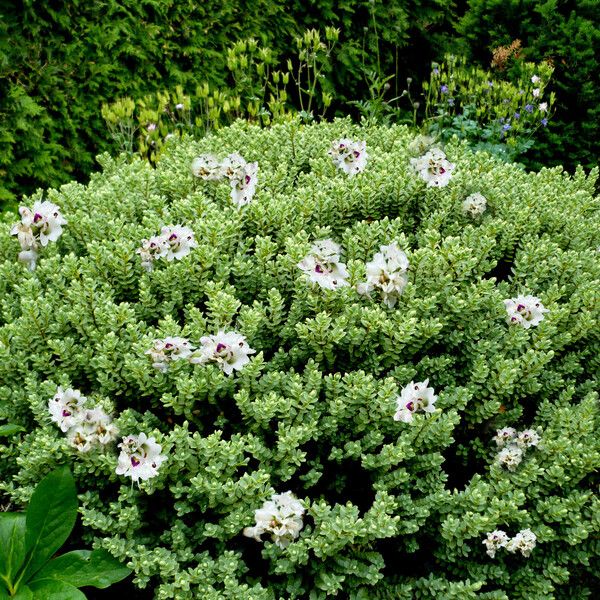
51	517
10	429
84	568
52	589
12	544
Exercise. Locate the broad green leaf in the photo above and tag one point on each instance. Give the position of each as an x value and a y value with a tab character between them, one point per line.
52	589
12	544
23	593
51	516
84	568
9	429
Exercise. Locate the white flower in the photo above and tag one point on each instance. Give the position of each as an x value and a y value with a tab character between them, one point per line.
536	93
323	266
505	436
388	273
349	156
527	311
167	350
140	457
495	540
510	457
243	185
535	79
45	221
229	350
93	427
29	258
207	167
412	398
421	144
66	407
179	106
474	205
281	516
433	168
152	249
25	235
178	241
524	542
232	166
527	438
543	106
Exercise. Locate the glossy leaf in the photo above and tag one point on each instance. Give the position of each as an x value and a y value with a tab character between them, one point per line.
12	544
51	516
52	589
84	568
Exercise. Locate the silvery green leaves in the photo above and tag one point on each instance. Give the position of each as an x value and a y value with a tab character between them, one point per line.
28	542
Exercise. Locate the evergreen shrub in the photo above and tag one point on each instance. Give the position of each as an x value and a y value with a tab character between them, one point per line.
392	509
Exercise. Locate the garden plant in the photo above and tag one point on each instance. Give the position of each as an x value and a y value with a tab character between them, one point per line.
313	360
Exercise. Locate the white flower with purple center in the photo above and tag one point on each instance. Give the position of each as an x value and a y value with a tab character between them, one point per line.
510	457
474	205
527	311
349	156
527	438
66	407
229	350
281	517
207	167
178	241
151	250
387	273
413	398
323	266
93	428
39	225
505	436
168	350
140	457
495	540
524	542
434	168
243	185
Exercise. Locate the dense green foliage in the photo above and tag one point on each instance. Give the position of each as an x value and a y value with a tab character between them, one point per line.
59	63
568	34
394	510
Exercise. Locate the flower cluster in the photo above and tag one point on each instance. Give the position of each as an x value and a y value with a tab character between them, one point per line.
39	225
229	350
524	542
513	445
349	156
174	243
168	350
414	397
242	176
323	266
281	516
474	205
388	273
434	168
140	457
527	311
86	428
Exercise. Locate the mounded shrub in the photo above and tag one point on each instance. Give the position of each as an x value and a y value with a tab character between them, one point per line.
393	509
